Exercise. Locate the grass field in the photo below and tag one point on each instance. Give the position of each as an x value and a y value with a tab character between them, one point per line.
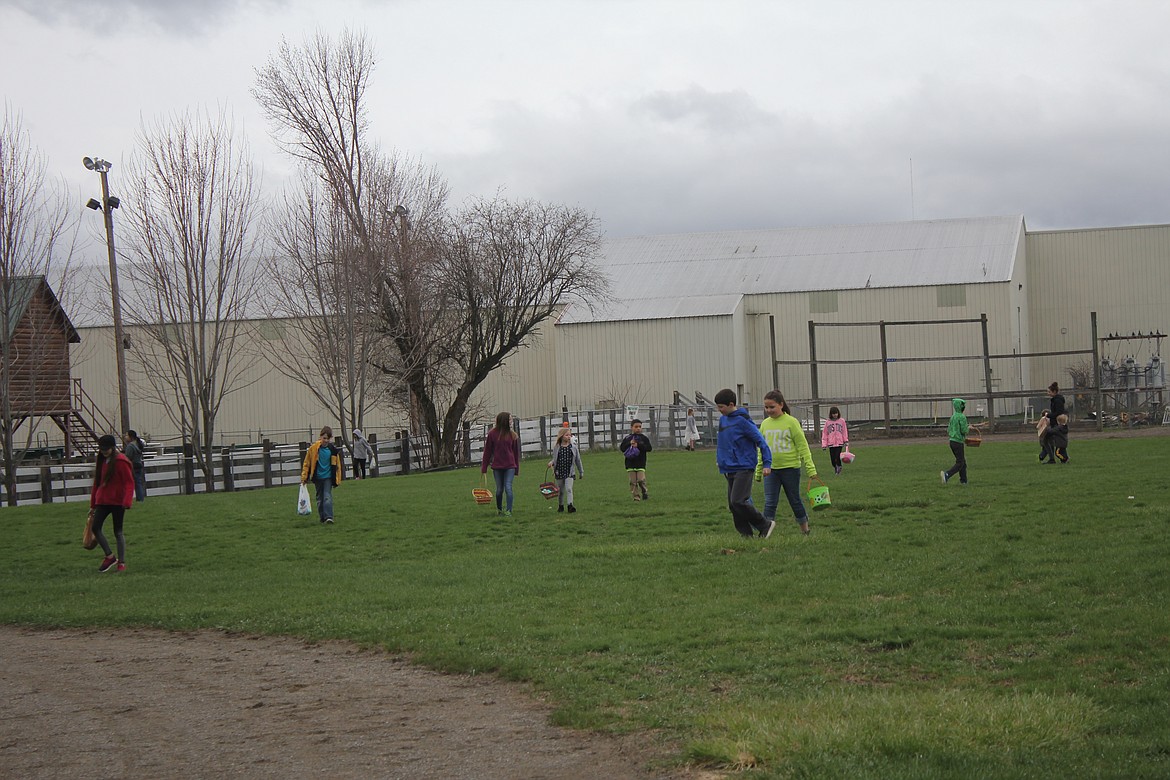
1015	627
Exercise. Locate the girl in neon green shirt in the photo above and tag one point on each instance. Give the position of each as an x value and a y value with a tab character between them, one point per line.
790	450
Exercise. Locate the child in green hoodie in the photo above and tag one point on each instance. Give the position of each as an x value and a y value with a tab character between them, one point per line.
957	433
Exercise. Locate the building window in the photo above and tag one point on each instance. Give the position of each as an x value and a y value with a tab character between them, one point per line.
822	302
951	295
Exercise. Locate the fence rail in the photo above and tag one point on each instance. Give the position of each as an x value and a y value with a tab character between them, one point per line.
274	465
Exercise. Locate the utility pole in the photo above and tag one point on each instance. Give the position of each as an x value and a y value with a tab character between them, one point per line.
107	206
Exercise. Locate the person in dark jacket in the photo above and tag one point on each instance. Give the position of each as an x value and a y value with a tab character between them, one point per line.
739	448
1056	407
634	447
1058	440
132	448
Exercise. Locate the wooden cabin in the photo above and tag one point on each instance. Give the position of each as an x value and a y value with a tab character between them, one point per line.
34	347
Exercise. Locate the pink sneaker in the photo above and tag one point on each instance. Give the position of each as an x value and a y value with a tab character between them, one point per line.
107	563
121	566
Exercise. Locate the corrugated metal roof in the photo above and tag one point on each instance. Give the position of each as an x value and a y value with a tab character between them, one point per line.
703	274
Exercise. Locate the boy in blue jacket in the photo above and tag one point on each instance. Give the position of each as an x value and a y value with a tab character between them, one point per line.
740	447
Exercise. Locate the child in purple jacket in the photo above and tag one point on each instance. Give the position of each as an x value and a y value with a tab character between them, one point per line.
501	452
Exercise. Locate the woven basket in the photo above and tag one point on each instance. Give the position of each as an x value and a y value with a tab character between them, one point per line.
481	494
549	489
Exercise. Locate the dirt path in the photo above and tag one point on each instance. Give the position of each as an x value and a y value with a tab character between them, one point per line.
138	703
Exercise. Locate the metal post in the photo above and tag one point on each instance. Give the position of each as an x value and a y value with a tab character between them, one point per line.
987	374
1097	400
812	365
885	376
775	365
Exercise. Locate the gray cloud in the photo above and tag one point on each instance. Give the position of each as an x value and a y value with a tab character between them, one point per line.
695	160
176	17
715	112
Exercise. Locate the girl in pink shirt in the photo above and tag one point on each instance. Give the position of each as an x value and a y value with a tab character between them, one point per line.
834	436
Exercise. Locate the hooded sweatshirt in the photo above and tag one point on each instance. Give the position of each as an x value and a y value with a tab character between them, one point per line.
957	427
740	444
788	444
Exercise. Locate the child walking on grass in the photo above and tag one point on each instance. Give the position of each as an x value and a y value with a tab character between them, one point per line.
834	436
957	435
566	459
111	494
501	452
1058	440
790	451
323	466
634	447
739	448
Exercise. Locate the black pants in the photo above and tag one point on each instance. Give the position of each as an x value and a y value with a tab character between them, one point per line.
359	468
835	457
739	501
100	513
960	466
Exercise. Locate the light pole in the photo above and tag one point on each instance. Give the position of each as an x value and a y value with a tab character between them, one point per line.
107	206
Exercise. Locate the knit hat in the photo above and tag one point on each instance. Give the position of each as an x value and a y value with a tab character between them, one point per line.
108	442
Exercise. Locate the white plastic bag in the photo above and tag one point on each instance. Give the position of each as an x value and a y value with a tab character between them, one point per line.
304	506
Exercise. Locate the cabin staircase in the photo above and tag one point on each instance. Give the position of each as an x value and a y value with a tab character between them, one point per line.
83	424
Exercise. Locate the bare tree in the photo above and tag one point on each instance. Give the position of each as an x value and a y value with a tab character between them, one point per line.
513	267
34	226
194	275
460	292
331	284
353	227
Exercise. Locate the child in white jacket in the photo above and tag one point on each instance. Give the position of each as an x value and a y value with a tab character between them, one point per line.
834	436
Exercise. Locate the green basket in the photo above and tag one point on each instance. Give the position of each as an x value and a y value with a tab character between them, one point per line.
818	495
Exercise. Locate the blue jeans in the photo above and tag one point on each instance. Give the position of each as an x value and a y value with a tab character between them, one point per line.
504	479
789	479
324	497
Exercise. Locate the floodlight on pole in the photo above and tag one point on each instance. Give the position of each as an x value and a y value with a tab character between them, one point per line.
107	206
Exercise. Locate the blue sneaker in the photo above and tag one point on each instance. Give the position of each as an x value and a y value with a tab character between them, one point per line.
944	476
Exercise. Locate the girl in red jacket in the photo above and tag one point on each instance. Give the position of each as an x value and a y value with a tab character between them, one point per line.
112	494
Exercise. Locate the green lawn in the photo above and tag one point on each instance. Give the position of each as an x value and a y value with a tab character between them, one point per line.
1015	627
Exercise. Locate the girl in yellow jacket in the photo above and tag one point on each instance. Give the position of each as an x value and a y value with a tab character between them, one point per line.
323	466
790	450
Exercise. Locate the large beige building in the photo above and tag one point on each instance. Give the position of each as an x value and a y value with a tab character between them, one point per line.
697	312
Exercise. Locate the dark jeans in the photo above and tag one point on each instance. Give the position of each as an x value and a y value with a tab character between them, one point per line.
960	466
100	513
140	484
739	501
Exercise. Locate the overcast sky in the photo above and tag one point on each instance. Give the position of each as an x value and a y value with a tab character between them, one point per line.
670	116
